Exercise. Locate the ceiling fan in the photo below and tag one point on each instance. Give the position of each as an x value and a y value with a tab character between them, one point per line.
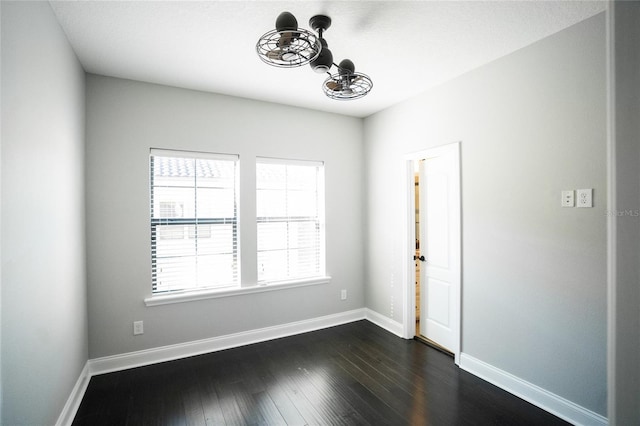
288	46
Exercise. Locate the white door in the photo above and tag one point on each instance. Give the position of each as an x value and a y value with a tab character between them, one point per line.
440	245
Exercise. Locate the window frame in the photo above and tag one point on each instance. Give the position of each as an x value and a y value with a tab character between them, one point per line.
319	219
155	222
252	286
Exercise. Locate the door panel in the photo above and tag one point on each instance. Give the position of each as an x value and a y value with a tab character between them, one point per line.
438	301
437	218
440	245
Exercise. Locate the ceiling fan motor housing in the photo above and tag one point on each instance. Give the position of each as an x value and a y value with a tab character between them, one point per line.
346	67
324	61
286	22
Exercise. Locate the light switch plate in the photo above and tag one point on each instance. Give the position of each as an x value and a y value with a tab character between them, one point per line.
585	197
567	198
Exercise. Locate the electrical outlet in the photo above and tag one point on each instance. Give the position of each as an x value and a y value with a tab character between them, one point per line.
585	197
343	294
138	327
567	198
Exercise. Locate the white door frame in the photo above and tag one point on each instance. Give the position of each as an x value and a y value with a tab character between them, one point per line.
409	238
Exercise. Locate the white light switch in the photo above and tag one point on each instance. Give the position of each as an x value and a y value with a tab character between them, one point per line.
567	198
585	197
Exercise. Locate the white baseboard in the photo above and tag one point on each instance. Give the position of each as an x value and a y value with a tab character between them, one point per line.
182	350
536	395
75	398
385	322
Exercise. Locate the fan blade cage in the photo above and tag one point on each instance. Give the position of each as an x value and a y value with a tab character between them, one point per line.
288	49
347	87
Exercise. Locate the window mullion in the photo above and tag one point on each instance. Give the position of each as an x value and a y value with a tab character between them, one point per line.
288	235
195	216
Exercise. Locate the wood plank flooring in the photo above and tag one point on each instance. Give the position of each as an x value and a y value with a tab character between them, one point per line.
353	374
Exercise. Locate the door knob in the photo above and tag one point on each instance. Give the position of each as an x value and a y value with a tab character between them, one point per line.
420	258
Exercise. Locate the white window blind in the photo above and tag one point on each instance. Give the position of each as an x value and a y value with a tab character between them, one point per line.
194	220
290	219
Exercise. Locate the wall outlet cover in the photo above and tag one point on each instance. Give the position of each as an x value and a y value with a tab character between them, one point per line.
585	197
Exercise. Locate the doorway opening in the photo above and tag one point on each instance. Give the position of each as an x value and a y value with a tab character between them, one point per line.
433	273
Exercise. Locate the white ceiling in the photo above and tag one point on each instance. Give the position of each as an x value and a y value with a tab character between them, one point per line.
406	47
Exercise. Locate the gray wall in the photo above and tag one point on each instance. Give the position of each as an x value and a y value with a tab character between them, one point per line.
126	118
625	338
44	320
534	274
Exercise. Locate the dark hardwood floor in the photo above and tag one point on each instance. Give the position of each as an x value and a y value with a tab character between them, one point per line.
354	374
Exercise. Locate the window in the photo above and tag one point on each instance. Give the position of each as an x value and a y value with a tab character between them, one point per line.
290	219
194	221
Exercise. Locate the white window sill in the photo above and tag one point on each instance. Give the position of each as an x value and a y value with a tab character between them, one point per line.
189	296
